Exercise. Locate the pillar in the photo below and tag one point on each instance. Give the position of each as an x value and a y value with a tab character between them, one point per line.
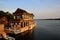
14	17
23	24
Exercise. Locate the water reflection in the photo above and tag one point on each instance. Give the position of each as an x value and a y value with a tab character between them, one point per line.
28	35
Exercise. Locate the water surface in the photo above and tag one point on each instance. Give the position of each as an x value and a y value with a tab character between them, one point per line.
45	30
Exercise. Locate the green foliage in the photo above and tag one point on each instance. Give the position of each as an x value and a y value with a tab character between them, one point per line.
6	14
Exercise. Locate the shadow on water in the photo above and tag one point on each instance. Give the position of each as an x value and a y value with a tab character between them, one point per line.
28	35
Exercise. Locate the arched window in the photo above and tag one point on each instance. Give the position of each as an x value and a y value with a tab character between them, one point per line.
24	24
21	16
21	24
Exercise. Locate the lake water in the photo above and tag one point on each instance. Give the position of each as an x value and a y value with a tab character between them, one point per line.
45	30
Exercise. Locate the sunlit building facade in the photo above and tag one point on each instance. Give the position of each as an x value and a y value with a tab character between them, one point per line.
21	19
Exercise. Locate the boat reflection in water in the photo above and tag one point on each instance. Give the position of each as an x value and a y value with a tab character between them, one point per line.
28	35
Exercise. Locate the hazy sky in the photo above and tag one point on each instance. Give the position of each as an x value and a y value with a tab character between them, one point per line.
40	8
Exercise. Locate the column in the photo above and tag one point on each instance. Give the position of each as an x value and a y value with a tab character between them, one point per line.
14	17
20	24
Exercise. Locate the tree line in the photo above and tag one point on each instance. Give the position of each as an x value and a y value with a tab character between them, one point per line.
6	14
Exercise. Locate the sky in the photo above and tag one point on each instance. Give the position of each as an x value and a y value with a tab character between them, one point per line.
42	9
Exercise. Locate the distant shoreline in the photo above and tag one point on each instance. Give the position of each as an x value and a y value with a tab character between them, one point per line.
47	19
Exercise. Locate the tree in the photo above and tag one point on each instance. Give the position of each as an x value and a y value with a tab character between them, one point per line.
6	14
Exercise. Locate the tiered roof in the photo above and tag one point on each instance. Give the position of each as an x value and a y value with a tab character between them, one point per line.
20	11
